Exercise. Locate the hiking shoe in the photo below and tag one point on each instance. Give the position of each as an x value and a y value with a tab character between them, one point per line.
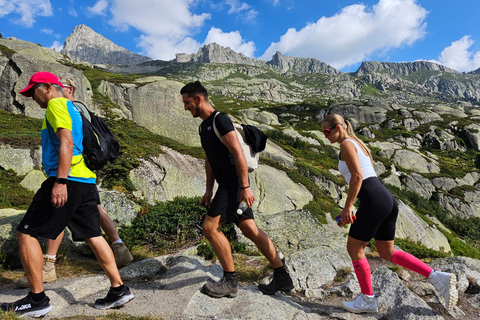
114	300
280	282
361	305
225	287
122	254
28	307
49	274
445	283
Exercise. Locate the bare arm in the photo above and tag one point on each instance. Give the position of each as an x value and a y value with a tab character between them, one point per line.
207	197
65	154
350	156
231	142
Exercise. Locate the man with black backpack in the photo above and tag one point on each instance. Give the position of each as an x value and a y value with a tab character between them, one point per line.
225	163
120	251
68	197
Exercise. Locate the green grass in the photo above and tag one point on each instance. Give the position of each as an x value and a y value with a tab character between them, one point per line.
19	131
12	194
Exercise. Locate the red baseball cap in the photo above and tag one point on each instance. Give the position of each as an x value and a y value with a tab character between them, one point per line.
40	77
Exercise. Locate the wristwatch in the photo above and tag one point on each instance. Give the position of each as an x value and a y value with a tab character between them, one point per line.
61	180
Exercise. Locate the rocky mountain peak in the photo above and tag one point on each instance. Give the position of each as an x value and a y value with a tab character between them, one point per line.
85	45
300	65
399	68
215	53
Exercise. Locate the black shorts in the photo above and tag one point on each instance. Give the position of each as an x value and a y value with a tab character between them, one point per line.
80	213
226	202
377	213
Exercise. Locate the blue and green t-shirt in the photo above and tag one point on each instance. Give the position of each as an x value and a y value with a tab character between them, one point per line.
61	113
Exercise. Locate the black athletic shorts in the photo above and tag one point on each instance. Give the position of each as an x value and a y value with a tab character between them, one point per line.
226	202
80	212
377	213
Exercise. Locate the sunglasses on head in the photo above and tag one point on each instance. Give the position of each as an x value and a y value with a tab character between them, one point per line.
326	132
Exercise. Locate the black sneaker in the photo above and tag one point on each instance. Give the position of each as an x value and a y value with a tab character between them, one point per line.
29	307
280	282
225	287
114	300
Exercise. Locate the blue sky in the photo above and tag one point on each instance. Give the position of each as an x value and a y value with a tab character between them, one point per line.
342	33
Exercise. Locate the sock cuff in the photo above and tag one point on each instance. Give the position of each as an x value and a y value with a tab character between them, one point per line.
362	261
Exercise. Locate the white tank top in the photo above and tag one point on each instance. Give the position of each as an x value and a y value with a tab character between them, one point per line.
365	164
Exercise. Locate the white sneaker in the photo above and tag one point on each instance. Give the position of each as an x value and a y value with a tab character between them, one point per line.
445	283
361	304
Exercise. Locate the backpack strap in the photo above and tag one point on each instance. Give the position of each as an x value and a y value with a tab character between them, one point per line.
215	127
53	144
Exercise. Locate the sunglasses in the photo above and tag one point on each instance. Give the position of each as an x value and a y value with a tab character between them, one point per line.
326	132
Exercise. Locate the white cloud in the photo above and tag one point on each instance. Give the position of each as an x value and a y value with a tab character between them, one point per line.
236	6
458	57
230	39
355	33
57	46
99	8
47	31
72	12
167	26
28	10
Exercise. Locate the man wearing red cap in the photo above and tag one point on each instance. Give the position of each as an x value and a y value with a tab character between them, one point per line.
68	197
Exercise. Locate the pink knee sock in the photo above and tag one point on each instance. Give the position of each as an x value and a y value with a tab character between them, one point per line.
408	261
364	275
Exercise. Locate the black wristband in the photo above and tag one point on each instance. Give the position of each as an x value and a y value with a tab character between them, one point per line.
61	180
243	188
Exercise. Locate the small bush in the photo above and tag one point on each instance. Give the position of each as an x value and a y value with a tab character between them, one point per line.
166	225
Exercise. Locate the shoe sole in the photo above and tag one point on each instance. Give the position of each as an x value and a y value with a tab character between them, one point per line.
284	289
122	301
215	295
359	311
37	313
453	294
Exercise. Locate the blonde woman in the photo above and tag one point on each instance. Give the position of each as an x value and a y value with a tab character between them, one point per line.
376	218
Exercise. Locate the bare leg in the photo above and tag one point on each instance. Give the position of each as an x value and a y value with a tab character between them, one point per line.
53	245
385	249
31	256
355	248
108	226
104	256
220	244
262	241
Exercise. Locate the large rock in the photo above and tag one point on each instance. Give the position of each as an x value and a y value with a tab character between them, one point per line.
418	184
313	255
18	67
155	104
19	160
411	227
414	161
120	209
33	180
169	175
396	301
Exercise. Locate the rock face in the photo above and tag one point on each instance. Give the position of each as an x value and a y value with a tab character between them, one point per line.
301	65
155	103
85	45
399	69
214	53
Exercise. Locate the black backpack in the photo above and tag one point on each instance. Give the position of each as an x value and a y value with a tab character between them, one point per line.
99	144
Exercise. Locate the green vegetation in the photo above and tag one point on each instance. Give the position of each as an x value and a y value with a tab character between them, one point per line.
19	131
370	90
12	194
165	226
